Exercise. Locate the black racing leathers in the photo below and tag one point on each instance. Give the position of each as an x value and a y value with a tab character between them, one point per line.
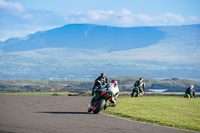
101	80
139	84
139	88
190	93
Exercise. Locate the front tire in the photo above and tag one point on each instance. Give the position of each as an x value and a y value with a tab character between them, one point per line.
100	106
89	110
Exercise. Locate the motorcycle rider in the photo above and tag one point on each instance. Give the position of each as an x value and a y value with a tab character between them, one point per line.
101	80
139	84
190	92
114	96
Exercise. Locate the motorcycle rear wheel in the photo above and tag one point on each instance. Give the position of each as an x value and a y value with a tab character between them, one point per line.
135	94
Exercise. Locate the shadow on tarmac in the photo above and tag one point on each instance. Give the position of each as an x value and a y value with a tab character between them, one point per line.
51	112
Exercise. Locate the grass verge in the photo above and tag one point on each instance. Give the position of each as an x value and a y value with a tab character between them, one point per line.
172	111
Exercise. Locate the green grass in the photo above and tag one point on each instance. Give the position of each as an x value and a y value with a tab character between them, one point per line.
172	111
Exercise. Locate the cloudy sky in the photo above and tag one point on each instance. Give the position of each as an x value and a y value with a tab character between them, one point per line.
19	18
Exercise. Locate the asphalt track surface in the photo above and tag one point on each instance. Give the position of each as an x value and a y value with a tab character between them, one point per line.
60	114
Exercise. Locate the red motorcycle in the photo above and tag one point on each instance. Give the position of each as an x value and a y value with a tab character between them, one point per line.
101	97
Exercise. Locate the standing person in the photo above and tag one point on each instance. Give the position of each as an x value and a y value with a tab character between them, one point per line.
139	87
101	80
190	92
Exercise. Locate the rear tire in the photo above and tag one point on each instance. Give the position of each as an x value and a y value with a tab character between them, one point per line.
132	94
100	106
135	94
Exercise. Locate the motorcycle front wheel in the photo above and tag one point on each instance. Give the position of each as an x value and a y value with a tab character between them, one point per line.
99	106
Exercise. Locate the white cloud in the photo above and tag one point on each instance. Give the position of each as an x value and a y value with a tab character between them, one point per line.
175	17
170	19
193	20
126	12
10	8
27	16
143	19
14	12
16	33
125	18
99	15
159	20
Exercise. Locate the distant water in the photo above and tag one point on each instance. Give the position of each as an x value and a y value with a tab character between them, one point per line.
163	90
157	90
192	79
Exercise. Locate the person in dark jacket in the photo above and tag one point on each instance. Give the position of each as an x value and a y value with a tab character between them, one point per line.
101	80
139	87
190	92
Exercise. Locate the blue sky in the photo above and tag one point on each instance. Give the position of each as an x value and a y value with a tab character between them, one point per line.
21	17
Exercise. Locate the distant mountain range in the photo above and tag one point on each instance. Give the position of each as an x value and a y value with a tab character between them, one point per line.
82	51
87	36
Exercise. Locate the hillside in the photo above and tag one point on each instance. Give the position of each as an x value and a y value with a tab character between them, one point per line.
83	51
87	36
125	84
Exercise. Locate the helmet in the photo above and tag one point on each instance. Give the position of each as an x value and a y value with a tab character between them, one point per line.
102	74
141	79
114	82
191	86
